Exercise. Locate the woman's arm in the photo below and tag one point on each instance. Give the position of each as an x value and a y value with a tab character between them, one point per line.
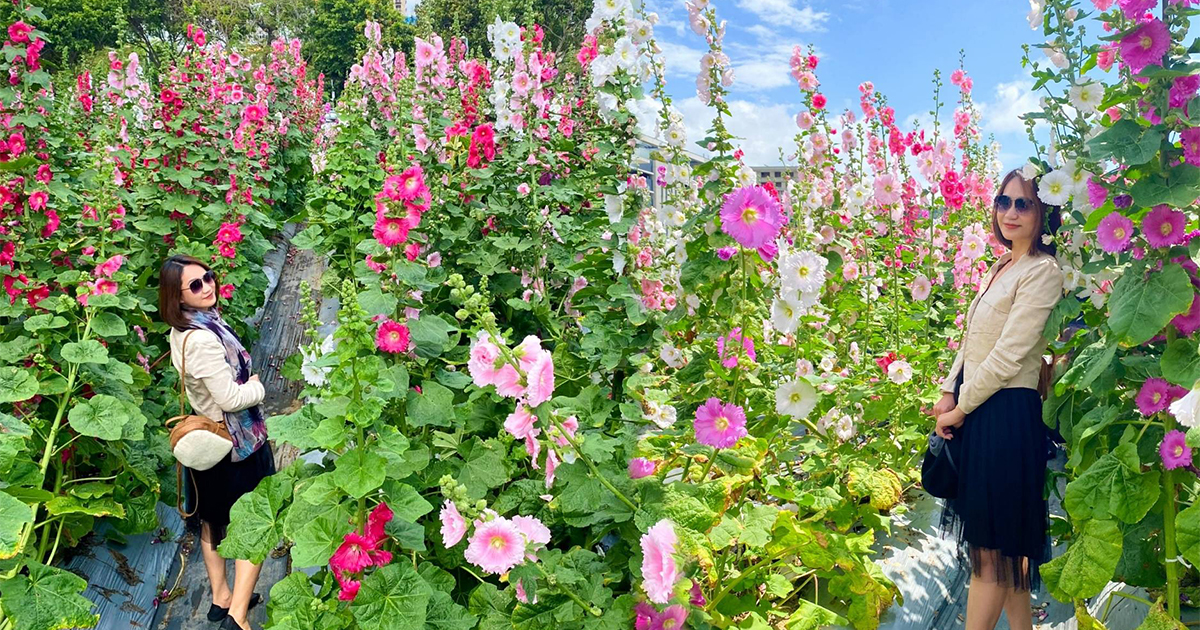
948	384
1034	299
206	361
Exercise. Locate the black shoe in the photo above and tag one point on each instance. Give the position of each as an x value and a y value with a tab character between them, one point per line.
216	613
229	624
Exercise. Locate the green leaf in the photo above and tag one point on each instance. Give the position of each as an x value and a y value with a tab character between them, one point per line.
1088	564
318	532
394	596
254	524
105	506
14	516
109	325
1114	486
1140	307
86	351
1126	142
810	616
1090	364
443	614
1187	532
308	238
102	416
430	335
1181	363
405	502
433	406
359	472
44	321
483	469
760	519
17	384
47	599
376	302
1180	189
1159	619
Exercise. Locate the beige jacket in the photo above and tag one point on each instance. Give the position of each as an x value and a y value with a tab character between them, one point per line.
209	382
1003	344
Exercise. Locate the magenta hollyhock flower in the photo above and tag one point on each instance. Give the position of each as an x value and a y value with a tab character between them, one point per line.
454	526
348	587
643	615
1183	89
1156	395
482	364
520	422
356	553
696	596
411	184
751	216
1097	193
229	233
641	467
541	380
1190	138
1187	323
730	360
1164	226
725	253
719	425
1145	46
1174	450
226	291
496	546
1135	9
377	520
107	268
671	618
1115	233
392	337
659	571
768	252
390	231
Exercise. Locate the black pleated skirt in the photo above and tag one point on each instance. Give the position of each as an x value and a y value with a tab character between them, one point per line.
1000	515
216	489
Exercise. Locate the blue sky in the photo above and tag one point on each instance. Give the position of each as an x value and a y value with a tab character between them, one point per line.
896	44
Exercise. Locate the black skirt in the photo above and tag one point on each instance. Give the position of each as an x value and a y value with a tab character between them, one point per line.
1000	515
217	488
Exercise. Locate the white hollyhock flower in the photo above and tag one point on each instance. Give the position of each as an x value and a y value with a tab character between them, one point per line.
899	372
803	271
614	206
844	428
796	398
625	53
1055	187
920	287
1086	97
676	135
1035	14
671	355
804	367
640	31
1187	409
665	417
785	314
611	9
1030	170
746	176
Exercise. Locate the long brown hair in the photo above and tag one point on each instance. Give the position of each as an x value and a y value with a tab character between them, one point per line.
1049	219
170	289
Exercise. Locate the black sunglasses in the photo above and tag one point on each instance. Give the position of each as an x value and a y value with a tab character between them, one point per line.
197	285
1004	202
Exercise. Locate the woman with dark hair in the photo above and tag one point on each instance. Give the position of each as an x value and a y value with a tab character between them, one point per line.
219	386
992	407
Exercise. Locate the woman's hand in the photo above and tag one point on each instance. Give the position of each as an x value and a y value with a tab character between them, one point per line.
945	404
952	418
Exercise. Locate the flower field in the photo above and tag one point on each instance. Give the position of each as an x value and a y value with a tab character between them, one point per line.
550	400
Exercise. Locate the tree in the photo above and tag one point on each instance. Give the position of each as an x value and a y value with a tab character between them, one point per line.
334	35
561	20
256	21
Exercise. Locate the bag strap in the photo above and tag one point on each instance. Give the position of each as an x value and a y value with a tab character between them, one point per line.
183	371
180	492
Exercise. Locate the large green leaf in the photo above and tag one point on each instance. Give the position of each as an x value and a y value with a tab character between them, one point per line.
810	616
317	532
430	335
1181	363
433	406
376	302
483	469
86	351
1091	363
102	416
443	614
17	384
254	524
359	472
1126	142
394	596
1180	189
405	502
108	324
1140	307
1187	532
47	599
1088	564
1114	486
1159	619
14	516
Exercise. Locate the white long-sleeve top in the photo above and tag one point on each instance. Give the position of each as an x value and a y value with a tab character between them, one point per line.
209	382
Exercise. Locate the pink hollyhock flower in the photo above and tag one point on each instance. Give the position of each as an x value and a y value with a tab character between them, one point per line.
411	185
887	189
643	616
725	253
107	268
751	217
375	266
818	101
19	32
1156	395
411	251
390	231
356	553
508	382
482	364
1145	46
229	233
541	380
44	174
37	200
348	587
719	425
1190	139
226	291
536	534
1187	323
1174	451
641	467
1097	193
454	526
671	618
768	252
528	352
1135	9
697	596
1164	226
392	337
434	260
551	466
730	360
659	571
496	546
52	223
377	521
520	423
1115	233
1182	90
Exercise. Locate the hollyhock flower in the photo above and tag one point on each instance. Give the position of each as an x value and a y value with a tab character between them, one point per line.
802	271
454	526
377	520
1189	322
887	189
641	467
496	546
390	231
536	534
725	253
671	618
1115	233
1164	226
19	32
643	616
796	398
818	101
920	288
719	425
392	337
229	233
730	360
1183	89
659	570
1156	395
411	183
226	291
52	223
348	587
37	200
1145	46
107	268
1174	450
356	553
1135	9
520	423
1187	409
541	380
1190	139
1097	193
508	382
529	352
1055	187
899	371
482	364
751	217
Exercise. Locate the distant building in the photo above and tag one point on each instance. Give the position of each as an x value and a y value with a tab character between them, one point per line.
777	175
401	6
644	164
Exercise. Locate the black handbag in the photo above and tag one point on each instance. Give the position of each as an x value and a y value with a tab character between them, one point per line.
939	469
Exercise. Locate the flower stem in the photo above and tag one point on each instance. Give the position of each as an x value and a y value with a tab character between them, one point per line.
708	467
592	466
591	610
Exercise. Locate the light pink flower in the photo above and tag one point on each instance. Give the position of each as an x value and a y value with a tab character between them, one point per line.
520	422
641	467
454	526
528	352
482	364
887	189
496	546
659	571
508	382
541	380
107	268
536	534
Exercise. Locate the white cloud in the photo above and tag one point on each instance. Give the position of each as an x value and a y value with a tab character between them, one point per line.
681	60
762	129
1001	114
785	13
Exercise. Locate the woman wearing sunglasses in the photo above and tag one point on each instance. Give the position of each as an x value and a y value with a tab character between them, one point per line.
220	386
992	406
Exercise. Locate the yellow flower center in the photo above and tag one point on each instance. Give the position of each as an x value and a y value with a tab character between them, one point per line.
1165	228
1146	42
1119	233
722	423
668	624
1177	451
497	542
750	215
1157	397
795	397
